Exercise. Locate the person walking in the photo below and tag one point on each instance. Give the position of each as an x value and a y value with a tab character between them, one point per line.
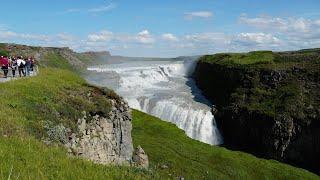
21	65
28	66
4	65
13	66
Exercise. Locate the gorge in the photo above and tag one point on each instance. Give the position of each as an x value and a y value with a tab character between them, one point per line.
163	88
94	123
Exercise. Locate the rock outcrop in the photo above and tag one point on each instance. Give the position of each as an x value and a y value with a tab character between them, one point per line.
272	111
102	134
140	158
104	140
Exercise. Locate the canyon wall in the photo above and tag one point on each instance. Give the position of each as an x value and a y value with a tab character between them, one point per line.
272	109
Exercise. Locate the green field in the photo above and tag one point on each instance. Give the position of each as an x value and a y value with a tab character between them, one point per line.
240	58
266	59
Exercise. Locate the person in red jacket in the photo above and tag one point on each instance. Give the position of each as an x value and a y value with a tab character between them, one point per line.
4	65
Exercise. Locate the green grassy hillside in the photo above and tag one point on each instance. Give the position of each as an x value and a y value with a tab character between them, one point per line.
27	158
28	103
55	96
167	145
59	96
265	59
240	58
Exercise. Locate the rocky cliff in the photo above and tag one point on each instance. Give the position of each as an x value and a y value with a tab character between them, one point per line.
104	140
101	133
270	108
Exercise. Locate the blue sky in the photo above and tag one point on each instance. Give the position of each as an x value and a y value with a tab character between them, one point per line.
166	28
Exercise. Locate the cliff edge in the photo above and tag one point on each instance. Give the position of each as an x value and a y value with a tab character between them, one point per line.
268	103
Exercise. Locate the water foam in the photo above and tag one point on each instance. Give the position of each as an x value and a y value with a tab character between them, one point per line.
163	89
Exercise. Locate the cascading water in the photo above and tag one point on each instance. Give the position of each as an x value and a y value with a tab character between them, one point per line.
163	89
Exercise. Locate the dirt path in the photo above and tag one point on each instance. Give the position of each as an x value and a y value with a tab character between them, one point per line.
10	77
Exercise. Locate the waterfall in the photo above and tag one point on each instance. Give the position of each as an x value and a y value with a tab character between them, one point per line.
163	89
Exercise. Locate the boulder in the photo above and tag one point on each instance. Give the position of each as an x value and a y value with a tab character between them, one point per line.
140	158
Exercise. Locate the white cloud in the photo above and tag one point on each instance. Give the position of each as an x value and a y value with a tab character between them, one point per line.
101	36
6	35
264	22
169	37
72	10
198	14
65	37
248	39
283	25
145	37
102	8
295	32
209	37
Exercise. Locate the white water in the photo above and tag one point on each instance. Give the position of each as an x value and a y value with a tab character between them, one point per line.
163	89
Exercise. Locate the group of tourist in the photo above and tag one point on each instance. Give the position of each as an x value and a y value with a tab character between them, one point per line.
24	65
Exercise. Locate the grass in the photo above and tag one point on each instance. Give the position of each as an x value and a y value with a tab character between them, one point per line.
28	158
240	58
167	145
58	96
54	60
266	59
55	96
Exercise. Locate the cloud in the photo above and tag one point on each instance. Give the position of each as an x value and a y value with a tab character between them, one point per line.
169	37
264	35
7	35
145	37
102	8
295	32
101	36
283	25
72	10
198	14
65	37
209	37
255	39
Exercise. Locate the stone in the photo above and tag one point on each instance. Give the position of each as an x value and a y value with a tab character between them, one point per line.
140	158
214	110
164	166
104	140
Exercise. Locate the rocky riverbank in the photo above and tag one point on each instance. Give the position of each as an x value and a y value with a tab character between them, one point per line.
269	105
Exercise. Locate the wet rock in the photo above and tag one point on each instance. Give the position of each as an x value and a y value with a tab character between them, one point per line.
214	110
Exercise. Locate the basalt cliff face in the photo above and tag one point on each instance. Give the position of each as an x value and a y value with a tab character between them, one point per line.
270	109
102	131
104	140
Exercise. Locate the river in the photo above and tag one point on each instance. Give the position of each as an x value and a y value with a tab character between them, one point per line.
162	88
